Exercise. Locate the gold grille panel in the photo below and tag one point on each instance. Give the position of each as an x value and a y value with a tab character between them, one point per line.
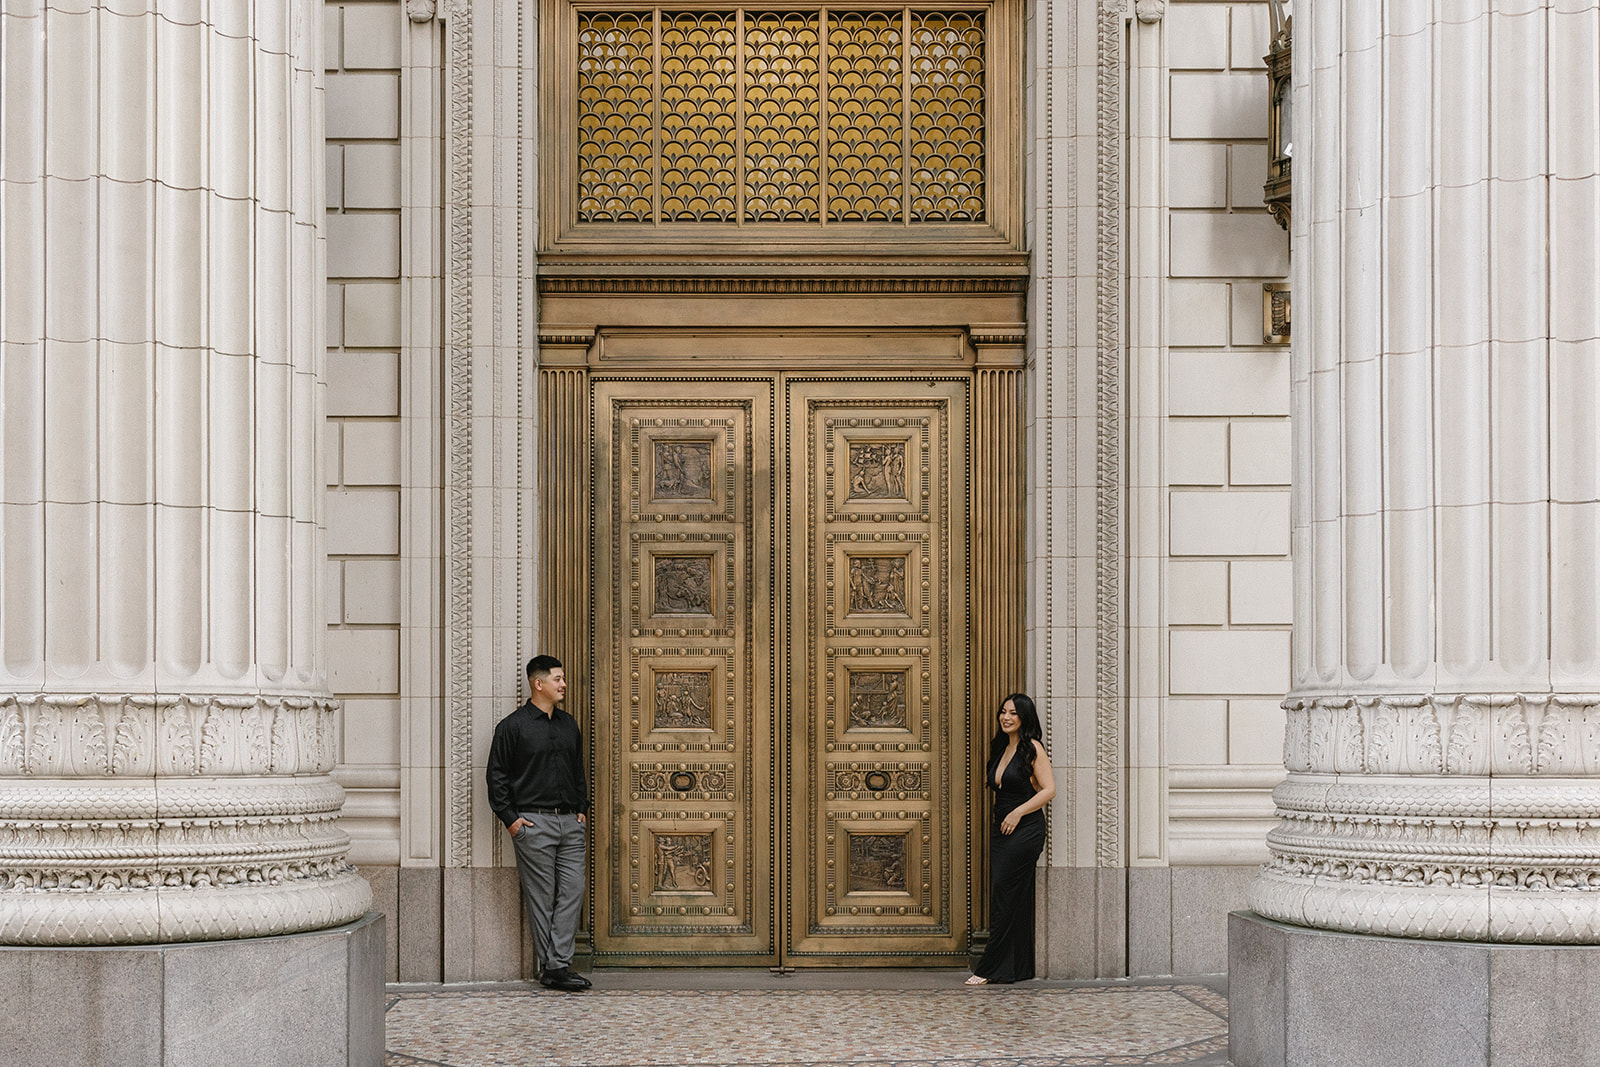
781	124
616	116
699	123
865	109
947	117
797	116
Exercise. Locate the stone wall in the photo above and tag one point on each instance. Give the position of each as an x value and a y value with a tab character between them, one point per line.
1209	522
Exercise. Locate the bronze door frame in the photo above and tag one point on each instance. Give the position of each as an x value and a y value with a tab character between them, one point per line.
988	552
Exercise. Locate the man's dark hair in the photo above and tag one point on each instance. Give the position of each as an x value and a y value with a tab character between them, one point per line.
542	665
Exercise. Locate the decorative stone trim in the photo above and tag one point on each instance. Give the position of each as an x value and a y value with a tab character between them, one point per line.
82	861
459	441
1557	917
1109	686
197	913
1150	11
139	735
1453	734
1474	857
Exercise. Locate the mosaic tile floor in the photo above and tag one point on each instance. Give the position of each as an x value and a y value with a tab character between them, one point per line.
1037	1024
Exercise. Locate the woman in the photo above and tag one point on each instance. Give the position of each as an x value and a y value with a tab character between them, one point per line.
1019	773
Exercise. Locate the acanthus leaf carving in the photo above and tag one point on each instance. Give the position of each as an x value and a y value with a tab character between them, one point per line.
13	753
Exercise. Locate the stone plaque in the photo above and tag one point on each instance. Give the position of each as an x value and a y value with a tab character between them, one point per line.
683	863
682	470
683	700
683	585
877	699
878	471
877	585
877	863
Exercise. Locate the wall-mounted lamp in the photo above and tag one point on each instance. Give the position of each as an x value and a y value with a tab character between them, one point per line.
1280	114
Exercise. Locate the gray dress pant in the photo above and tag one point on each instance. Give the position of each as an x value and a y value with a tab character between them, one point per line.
552	858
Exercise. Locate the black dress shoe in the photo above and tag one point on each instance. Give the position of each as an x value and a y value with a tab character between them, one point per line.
563	979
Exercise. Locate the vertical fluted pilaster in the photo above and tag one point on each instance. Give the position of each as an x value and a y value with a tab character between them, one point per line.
166	731
1443	736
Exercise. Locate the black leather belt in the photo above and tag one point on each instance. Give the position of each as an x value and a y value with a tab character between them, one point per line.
552	811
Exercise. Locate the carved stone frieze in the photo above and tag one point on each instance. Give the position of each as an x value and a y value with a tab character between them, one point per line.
90	735
1472	816
118	860
1456	734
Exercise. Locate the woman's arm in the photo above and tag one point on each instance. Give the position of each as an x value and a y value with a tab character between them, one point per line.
1043	780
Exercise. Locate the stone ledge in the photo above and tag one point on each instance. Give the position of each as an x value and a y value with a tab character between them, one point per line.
300	1000
1301	996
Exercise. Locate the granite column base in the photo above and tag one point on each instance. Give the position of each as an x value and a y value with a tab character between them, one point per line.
301	1000
1298	996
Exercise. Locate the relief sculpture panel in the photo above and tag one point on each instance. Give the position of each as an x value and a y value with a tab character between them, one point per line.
878	471
683	700
877	863
682	470
683	585
683	863
878	585
877	699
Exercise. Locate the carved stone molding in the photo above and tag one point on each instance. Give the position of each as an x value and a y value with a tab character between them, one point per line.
1473	816
1150	11
137	735
1529	916
1454	734
458	441
1109	550
91	860
211	913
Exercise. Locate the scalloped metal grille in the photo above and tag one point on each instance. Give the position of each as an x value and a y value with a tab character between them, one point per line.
865	112
781	125
946	116
699	117
816	116
616	117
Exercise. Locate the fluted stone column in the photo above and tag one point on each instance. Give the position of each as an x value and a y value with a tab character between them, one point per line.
1443	740
166	730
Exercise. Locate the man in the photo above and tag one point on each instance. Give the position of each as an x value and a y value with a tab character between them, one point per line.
537	788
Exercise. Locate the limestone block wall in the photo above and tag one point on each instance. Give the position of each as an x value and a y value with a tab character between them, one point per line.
1210	604
363	431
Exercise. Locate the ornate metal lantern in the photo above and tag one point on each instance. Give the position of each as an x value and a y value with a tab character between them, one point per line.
1280	128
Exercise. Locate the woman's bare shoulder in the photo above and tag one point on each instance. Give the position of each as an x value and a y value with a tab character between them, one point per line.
1039	749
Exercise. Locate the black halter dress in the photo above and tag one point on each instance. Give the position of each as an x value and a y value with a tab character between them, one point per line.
1012	857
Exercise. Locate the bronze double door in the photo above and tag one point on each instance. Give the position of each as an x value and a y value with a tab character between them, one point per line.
780	613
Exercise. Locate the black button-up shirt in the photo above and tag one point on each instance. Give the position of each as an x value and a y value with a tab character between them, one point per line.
536	761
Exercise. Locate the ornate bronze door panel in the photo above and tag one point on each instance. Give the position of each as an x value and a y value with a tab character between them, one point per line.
683	685
877	766
780	602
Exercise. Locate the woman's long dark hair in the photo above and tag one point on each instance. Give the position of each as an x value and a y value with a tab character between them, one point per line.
1028	732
